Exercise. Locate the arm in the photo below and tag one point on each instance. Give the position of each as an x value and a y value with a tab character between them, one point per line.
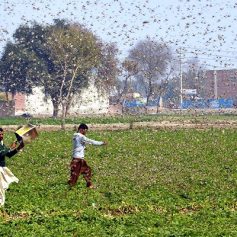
14	149
93	142
4	150
11	153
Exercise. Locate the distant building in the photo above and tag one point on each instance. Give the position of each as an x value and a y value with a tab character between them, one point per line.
216	90
220	84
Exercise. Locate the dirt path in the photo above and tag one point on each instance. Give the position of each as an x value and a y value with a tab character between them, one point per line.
138	125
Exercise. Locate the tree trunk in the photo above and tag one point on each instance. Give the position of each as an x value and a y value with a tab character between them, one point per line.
55	111
63	121
7	97
63	117
68	105
123	109
149	94
147	101
13	95
55	107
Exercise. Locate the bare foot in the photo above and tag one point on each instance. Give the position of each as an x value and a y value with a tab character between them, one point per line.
91	186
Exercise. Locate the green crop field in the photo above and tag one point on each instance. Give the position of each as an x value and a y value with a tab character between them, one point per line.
149	183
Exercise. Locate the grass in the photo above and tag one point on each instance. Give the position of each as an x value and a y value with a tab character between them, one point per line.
105	119
149	183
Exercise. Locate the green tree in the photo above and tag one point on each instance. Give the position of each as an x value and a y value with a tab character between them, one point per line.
14	73
67	55
75	52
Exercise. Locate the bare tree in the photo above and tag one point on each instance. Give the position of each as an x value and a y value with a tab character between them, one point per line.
152	60
107	71
193	75
128	69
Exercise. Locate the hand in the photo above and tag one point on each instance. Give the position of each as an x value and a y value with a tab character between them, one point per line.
105	143
13	145
21	145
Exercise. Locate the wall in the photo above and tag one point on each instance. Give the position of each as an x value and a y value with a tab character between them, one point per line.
19	103
36	104
90	102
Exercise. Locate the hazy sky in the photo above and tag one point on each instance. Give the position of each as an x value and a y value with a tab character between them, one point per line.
205	28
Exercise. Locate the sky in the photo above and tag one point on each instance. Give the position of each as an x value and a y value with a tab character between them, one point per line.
198	28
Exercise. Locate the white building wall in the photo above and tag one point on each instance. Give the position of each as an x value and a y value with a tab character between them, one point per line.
89	102
37	104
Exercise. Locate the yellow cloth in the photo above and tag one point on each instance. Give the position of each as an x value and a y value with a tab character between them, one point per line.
6	178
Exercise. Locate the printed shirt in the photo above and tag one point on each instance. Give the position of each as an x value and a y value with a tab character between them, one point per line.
79	144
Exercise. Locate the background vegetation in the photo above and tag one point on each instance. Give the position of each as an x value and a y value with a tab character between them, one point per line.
100	119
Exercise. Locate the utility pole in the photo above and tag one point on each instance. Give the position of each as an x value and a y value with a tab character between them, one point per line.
181	81
215	85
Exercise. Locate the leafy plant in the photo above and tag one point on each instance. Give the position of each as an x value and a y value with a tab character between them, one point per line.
149	183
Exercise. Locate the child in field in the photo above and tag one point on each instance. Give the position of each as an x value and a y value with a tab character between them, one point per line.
78	164
6	176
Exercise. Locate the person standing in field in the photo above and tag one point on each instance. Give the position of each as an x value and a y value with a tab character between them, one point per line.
78	164
6	176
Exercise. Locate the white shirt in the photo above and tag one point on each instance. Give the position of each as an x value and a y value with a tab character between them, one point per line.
79	144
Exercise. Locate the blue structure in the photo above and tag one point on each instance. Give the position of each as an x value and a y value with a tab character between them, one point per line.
209	103
132	103
137	103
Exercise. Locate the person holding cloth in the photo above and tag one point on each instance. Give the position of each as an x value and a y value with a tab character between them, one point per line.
6	176
78	164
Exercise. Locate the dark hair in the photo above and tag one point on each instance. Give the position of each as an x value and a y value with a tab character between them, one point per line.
1	130
82	126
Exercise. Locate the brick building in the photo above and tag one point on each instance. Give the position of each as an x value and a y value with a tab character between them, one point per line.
218	84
